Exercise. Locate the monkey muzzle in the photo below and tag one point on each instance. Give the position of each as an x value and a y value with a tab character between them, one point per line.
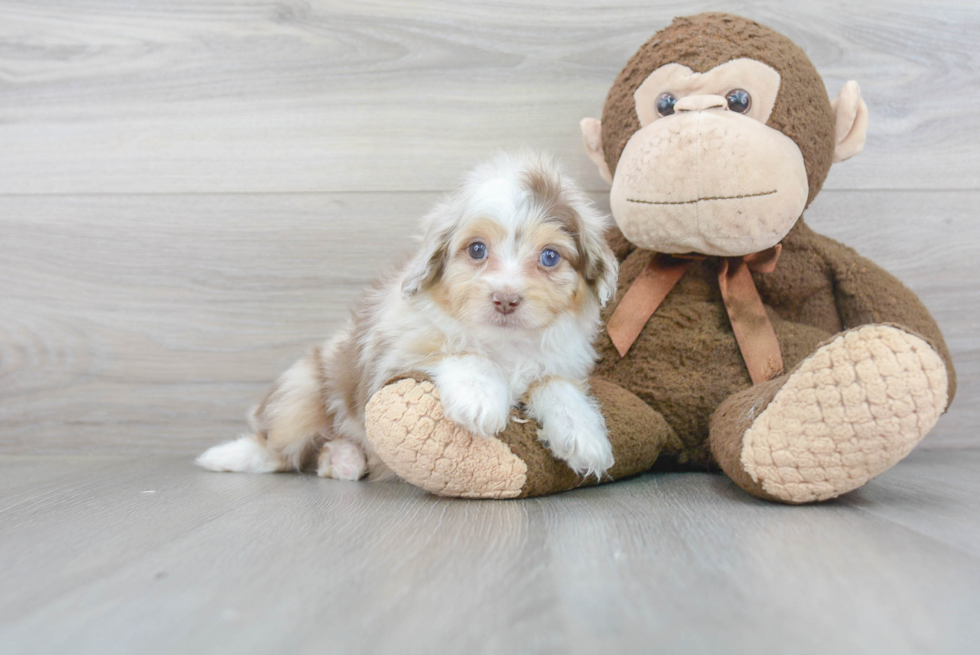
708	181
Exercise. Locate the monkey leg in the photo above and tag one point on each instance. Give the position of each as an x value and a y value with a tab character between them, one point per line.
408	431
865	293
845	414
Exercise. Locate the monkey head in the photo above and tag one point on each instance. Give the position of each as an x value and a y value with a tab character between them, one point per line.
716	136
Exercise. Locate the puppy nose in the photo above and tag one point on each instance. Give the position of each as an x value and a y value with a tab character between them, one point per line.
505	301
699	103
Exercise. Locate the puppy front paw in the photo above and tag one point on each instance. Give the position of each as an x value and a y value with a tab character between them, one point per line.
584	447
573	429
478	408
472	398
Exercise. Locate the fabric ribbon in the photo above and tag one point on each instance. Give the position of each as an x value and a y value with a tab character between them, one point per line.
753	331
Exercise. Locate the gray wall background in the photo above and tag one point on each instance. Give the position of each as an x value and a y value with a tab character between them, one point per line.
193	192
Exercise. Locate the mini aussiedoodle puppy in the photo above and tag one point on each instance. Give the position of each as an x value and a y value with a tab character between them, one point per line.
500	306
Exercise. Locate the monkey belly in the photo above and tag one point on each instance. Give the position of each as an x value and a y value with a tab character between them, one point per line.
686	362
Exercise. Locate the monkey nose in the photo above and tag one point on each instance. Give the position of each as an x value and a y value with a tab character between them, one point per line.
700	103
506	302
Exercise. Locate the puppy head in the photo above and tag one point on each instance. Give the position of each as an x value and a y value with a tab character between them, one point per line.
517	246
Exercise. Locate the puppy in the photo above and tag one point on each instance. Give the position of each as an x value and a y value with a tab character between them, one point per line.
501	305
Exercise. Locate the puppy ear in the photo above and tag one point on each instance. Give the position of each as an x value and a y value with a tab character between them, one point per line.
600	265
427	266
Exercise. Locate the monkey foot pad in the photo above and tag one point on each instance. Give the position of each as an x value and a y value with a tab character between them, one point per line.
848	412
410	434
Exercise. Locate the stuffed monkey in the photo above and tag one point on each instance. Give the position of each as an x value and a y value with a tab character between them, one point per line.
739	338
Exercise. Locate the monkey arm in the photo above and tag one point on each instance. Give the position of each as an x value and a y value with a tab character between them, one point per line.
866	293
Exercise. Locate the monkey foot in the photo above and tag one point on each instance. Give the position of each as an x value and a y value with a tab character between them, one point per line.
408	431
847	413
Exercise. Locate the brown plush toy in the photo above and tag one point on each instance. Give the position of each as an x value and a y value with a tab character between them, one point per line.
738	338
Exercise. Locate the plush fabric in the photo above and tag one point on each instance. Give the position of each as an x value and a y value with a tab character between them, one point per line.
427	450
848	412
704	41
692	185
868	371
679	79
686	360
410	434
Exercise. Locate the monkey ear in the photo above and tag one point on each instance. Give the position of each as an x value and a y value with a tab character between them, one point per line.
850	122
592	137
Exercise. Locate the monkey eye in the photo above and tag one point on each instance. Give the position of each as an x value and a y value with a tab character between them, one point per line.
477	250
739	100
549	257
665	104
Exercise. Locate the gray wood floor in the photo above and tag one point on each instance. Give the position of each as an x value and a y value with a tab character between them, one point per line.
148	555
193	191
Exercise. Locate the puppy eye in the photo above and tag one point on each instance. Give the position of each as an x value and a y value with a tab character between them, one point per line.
665	104
739	100
549	257
477	250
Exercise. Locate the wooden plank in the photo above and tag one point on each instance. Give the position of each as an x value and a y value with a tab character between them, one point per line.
930	494
124	509
31	477
193	96
139	322
287	563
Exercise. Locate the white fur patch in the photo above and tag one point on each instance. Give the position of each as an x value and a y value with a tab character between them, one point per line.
572	427
243	455
474	394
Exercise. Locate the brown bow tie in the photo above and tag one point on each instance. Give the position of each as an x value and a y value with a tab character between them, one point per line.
753	331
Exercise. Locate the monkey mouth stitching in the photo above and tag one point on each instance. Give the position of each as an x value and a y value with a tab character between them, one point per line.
691	202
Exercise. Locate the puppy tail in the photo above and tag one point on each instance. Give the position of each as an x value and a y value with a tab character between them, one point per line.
243	455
